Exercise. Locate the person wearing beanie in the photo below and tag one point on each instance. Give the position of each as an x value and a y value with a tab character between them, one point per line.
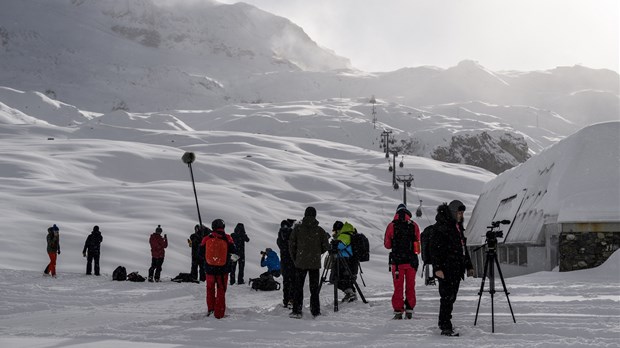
197	270
53	249
402	237
240	238
158	244
93	247
307	243
287	266
219	250
450	259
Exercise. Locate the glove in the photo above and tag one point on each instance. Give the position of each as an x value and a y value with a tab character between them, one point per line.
84	254
234	257
470	272
189	243
58	251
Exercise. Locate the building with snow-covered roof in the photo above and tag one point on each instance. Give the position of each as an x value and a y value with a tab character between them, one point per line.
563	205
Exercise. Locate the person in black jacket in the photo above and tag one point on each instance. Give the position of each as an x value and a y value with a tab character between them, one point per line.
240	238
93	247
198	260
287	266
450	259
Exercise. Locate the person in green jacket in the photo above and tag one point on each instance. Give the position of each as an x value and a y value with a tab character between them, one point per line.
307	243
348	265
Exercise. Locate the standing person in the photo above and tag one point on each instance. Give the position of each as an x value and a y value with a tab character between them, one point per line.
402	236
198	261
286	262
158	244
307	243
270	259
240	238
93	246
53	249
450	259
347	263
218	248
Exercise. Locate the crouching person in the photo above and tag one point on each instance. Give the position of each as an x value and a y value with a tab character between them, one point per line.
269	259
219	248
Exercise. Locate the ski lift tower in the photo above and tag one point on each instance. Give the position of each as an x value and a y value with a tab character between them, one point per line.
385	141
373	101
406	180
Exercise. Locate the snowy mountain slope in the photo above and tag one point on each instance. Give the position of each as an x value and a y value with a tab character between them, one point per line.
147	56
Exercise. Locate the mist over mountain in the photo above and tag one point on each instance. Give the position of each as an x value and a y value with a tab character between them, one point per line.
146	57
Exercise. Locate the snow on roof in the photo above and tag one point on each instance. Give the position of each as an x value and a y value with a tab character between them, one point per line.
576	180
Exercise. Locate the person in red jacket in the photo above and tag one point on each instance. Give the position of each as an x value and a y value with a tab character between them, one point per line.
402	236
158	244
219	250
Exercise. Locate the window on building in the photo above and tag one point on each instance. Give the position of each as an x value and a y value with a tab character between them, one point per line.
522	256
512	256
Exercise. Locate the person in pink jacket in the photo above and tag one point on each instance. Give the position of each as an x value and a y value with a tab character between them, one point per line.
402	236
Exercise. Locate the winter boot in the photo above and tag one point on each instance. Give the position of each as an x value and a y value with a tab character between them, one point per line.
150	279
349	296
294	315
398	316
408	313
449	332
209	313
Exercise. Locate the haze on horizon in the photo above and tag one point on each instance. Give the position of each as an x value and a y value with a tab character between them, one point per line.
520	35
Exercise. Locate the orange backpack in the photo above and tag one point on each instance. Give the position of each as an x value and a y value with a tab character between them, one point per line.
216	250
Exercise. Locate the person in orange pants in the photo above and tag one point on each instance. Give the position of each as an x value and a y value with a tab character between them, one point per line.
53	249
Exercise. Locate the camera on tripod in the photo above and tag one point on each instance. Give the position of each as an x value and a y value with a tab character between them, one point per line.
492	234
333	249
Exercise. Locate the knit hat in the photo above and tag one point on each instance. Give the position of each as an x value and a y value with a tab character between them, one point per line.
455	206
96	228
337	226
310	211
218	224
284	224
55	228
158	229
401	207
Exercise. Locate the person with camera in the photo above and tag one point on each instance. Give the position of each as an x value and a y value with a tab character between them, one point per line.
402	236
240	238
270	259
346	263
197	270
158	244
307	243
450	259
287	267
93	246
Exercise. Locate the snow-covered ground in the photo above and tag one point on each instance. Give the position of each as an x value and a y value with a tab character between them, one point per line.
576	309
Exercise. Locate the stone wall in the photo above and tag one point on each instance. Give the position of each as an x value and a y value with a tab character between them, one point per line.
580	250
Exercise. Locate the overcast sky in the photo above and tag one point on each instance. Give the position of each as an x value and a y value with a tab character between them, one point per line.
385	35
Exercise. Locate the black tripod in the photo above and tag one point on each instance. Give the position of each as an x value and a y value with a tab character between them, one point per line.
334	262
489	270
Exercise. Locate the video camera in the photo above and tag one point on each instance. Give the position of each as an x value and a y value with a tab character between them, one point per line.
492	234
334	246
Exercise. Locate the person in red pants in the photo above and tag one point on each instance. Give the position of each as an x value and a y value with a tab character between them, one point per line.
218	248
402	236
53	249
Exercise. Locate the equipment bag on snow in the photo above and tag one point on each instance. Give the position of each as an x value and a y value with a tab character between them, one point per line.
361	247
120	273
264	284
216	251
184	278
135	277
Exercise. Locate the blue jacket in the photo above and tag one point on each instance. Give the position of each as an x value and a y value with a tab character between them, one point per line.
272	262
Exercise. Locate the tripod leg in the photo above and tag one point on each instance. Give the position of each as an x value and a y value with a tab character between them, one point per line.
501	276
336	281
359	291
484	276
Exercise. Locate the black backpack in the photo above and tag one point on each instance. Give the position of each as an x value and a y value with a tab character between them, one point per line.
266	283
184	278
360	247
135	277
426	237
120	273
402	244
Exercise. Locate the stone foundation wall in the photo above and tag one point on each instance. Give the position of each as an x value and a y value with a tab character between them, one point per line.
580	250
